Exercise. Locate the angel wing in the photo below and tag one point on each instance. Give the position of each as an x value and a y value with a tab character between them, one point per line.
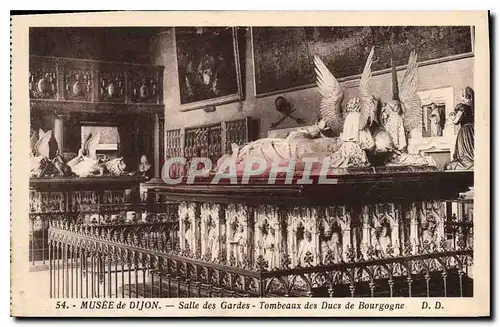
91	145
368	112
42	147
332	94
410	101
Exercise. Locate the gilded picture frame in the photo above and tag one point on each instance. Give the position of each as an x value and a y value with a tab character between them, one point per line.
209	75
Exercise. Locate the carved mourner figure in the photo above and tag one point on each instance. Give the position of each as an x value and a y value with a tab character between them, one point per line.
270	249
213	241
385	238
238	244
190	238
305	246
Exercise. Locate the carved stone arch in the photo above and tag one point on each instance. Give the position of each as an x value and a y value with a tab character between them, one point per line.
322	278
406	269
296	280
367	271
443	263
423	265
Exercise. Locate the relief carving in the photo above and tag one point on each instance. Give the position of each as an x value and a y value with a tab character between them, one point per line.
144	86
42	80
112	86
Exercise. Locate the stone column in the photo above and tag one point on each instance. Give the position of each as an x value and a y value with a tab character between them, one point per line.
346	231
394	228
182	228
275	225
312	215
292	239
248	222
414	238
437	207
195	218
204	214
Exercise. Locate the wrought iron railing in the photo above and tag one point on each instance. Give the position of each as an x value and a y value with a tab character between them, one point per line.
92	260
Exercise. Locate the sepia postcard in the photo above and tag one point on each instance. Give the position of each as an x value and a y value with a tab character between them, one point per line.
250	164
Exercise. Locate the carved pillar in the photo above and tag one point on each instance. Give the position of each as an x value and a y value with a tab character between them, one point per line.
275	225
312	216
182	227
205	213
414	238
438	208
366	237
196	223
187	211
345	217
229	235
292	239
393	216
221	231
249	232
258	241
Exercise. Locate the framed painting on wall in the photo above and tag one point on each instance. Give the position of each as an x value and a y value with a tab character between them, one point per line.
208	66
283	56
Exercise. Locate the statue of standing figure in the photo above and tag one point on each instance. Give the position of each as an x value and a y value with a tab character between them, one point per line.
270	249
305	246
190	238
330	244
384	238
213	241
238	245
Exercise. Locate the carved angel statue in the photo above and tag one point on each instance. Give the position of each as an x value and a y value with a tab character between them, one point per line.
360	114
404	112
45	160
322	140
86	163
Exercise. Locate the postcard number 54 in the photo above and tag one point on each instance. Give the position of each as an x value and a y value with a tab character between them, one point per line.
61	305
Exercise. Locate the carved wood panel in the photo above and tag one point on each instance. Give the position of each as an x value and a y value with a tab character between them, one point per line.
112	84
78	81
43	79
92	86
